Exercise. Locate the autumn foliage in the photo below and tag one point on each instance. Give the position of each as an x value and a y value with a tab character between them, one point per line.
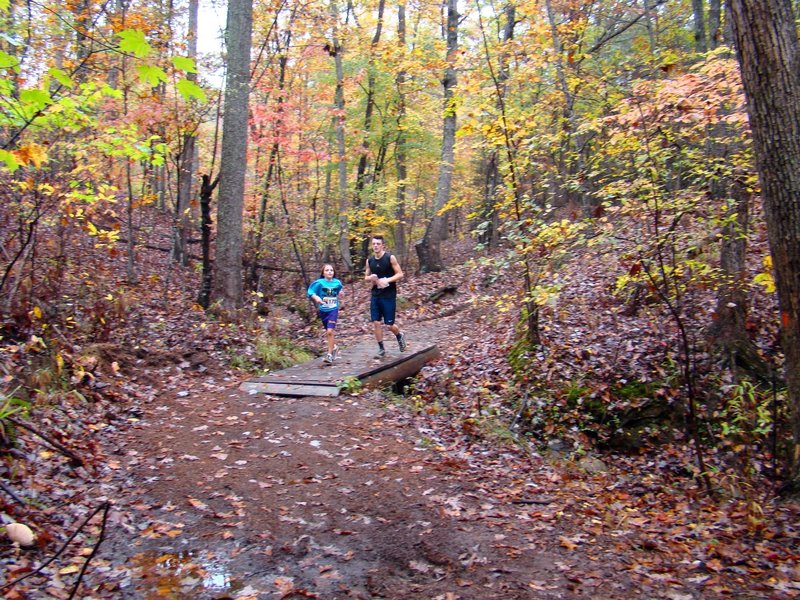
603	238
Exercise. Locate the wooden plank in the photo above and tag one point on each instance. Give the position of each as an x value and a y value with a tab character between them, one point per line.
397	370
282	388
315	379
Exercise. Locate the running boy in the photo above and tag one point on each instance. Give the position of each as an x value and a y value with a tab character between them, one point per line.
325	292
383	272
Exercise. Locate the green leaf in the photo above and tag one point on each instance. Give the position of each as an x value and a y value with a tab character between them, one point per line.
9	160
107	90
133	42
151	75
4	4
61	77
184	63
189	89
7	61
36	99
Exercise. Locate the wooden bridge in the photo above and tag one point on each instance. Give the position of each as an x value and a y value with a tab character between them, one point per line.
317	378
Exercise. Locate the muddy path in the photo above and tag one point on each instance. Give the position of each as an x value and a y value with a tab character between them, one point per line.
227	494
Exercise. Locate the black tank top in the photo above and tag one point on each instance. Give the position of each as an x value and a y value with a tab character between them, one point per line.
382	267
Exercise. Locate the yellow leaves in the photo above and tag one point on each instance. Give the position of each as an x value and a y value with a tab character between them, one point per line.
765	278
30	154
69	570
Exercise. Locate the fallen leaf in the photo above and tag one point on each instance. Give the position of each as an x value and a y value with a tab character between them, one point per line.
198	503
567	543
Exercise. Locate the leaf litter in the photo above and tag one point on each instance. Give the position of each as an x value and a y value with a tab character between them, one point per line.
216	493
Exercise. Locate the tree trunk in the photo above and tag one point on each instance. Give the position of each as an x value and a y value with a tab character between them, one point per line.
714	23
563	154
490	236
648	23
186	157
341	150
728	332
429	247
83	26
769	54
400	146
115	70
206	190
363	160
228	285
699	26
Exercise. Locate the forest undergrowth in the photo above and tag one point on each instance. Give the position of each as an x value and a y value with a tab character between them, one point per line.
601	400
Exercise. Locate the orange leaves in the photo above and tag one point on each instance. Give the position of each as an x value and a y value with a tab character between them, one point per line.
198	504
30	154
567	543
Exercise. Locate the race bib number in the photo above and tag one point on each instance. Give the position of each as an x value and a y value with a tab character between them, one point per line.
329	302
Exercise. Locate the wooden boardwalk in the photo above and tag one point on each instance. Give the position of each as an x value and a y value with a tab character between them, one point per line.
316	378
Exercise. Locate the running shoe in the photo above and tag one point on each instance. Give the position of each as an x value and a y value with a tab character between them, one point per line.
380	353
335	353
401	341
328	358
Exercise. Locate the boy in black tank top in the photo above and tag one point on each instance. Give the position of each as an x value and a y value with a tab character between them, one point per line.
383	272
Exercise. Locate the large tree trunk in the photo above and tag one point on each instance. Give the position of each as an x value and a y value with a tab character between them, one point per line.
228	285
429	247
769	54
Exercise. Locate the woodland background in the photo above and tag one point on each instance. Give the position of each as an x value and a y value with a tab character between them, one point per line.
585	169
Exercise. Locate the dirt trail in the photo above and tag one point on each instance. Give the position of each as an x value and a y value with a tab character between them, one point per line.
230	494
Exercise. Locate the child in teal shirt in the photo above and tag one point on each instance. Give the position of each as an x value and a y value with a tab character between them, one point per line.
326	293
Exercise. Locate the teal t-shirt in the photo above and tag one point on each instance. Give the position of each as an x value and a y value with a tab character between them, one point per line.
328	291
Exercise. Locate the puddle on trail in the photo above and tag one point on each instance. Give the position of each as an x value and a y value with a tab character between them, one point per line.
182	575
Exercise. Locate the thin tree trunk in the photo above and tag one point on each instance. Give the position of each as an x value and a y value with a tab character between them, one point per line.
187	157
492	178
400	145
648	22
429	247
728	332
698	8
363	162
341	150
563	153
83	21
206	190
714	23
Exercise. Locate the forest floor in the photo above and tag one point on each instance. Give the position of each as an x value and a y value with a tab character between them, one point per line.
247	495
242	495
204	491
